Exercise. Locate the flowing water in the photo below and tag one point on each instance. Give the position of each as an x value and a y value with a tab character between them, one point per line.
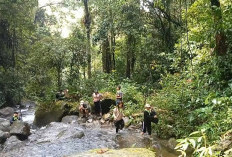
59	139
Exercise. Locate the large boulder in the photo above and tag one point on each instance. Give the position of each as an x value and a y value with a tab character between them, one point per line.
12	143
4	125
225	144
69	119
20	129
53	112
126	152
127	121
106	105
6	112
172	143
56	131
3	136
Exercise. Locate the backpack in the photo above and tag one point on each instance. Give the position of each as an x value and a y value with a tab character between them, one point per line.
154	120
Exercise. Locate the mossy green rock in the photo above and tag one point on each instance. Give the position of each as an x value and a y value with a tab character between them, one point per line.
52	112
126	152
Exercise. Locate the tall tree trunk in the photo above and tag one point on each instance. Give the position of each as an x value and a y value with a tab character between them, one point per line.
128	63
220	37
130	56
14	49
74	69
113	54
106	57
111	37
59	76
87	22
111	48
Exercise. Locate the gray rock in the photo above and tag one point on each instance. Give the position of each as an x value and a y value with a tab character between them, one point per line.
12	142
56	131
126	121
69	119
90	120
6	112
4	125
43	117
79	135
82	120
3	136
172	143
20	128
106	116
102	121
96	123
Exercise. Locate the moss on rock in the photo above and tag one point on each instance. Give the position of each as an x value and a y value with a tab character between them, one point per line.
53	111
126	152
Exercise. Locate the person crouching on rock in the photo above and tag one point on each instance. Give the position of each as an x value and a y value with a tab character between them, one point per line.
84	109
118	115
15	117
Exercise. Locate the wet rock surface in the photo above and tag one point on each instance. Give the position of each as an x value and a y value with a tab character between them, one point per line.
6	112
12	143
69	119
77	135
4	124
59	139
3	136
20	128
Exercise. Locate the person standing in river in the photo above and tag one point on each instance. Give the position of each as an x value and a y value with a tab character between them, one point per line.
147	119
97	102
119	95
118	116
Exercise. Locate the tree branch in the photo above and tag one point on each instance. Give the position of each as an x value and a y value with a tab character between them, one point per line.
164	13
51	4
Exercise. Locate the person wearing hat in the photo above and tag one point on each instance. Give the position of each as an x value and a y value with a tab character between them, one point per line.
84	109
147	119
97	104
15	117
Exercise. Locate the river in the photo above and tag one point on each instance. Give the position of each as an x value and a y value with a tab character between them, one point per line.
59	139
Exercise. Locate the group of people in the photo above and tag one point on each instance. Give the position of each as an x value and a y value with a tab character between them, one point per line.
84	108
149	114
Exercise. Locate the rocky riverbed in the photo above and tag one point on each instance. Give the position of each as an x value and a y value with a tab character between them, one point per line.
75	135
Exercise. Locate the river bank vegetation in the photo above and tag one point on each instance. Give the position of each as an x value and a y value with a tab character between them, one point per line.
175	55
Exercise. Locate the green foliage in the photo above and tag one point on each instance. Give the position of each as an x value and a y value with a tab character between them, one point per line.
167	47
198	141
15	28
11	90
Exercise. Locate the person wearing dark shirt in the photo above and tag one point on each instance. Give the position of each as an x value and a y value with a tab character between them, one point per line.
15	117
147	119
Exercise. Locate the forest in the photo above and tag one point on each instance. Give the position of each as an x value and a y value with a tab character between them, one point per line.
173	54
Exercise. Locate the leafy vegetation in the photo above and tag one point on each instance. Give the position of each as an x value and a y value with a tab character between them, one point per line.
175	55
